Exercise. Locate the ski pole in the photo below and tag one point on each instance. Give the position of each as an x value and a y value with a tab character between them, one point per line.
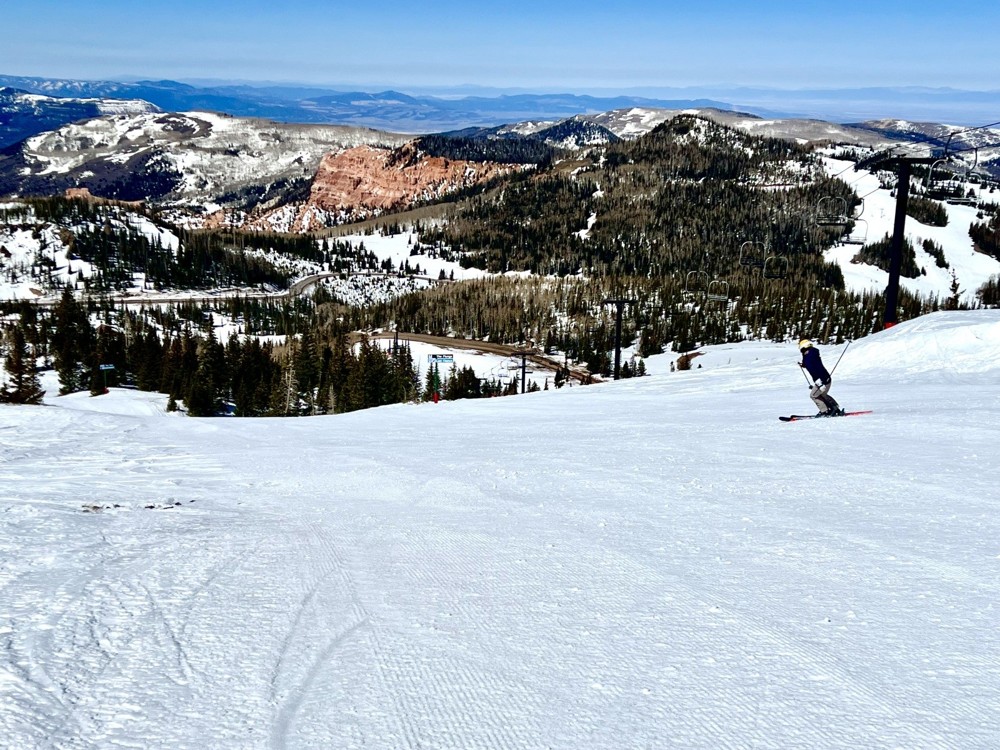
803	371
839	358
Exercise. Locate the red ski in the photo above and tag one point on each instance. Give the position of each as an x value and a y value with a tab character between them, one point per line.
800	417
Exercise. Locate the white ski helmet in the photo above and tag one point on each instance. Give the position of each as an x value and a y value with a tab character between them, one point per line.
805	344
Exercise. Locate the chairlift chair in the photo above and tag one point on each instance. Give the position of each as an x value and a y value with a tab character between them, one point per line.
937	188
963	198
776	267
753	254
696	283
718	291
953	190
831	211
959	194
858	235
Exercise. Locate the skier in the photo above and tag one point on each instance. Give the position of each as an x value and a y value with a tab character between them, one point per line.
820	389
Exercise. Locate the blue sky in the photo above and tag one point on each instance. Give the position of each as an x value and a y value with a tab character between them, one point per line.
567	46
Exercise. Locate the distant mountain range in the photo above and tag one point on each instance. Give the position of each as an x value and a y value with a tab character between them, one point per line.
479	107
166	142
386	110
137	152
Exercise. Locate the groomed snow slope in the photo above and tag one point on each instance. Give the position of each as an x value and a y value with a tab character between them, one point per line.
655	563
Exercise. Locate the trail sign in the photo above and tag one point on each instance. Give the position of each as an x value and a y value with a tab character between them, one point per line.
440	358
107	367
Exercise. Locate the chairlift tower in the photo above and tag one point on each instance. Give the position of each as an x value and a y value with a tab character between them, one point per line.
904	170
619	306
523	354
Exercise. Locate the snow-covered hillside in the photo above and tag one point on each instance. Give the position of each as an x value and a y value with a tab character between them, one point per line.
197	156
652	563
875	221
975	147
39	103
23	114
36	263
637	121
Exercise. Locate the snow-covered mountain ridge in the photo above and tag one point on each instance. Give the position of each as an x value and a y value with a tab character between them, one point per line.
193	158
637	121
23	114
25	244
201	159
970	149
656	562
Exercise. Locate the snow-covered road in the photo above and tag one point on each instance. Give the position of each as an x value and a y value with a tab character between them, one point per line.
655	563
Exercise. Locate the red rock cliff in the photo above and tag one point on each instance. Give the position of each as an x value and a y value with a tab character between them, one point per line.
377	179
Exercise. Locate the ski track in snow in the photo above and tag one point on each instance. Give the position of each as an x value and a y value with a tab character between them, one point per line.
652	563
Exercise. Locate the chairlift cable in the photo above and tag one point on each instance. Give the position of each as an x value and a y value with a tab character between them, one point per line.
977	127
870	192
975	148
923	140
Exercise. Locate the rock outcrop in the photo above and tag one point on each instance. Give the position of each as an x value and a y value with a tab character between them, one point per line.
368	180
365	181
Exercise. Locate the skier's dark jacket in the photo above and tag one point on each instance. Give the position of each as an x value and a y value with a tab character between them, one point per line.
812	362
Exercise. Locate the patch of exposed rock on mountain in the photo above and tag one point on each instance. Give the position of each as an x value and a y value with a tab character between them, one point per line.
367	180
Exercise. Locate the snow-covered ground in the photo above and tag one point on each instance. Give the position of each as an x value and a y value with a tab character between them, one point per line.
396	248
653	563
491	367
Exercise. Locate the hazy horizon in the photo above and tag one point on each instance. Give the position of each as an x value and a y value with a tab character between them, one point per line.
575	46
844	105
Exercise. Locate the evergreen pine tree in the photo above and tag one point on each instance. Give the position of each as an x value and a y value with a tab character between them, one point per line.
208	384
324	392
23	386
307	370
432	383
148	361
954	300
72	338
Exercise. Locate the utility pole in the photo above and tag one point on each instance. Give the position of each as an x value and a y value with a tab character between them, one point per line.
619	306
904	170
